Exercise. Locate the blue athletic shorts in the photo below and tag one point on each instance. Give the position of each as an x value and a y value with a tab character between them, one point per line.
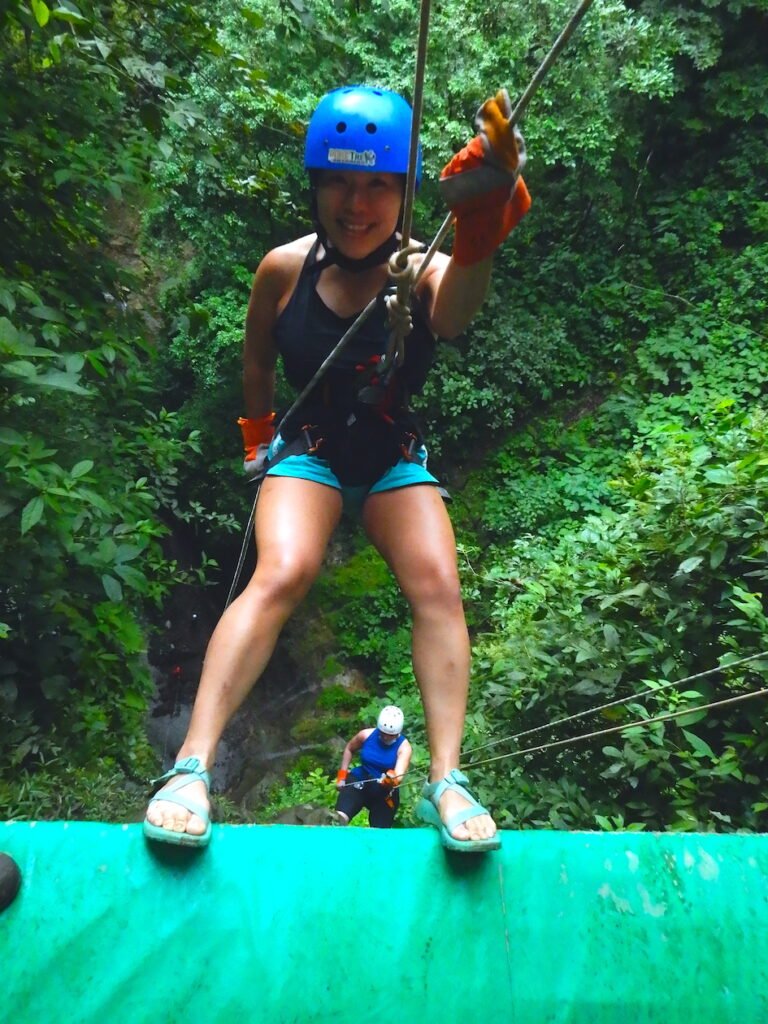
404	473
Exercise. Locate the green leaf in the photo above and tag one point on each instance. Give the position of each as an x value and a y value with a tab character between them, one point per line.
689	565
253	18
700	747
8	436
46	313
717	553
21	368
721	476
68	12
112	588
31	514
612	638
41	11
61	381
612	752
81	468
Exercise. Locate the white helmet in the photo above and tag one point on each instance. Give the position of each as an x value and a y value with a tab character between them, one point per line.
390	720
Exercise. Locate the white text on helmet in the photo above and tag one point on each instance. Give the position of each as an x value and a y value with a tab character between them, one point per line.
366	157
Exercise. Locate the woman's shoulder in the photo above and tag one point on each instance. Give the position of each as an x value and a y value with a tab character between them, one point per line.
280	267
290	255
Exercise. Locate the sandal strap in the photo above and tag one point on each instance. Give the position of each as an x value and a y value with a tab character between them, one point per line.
461	816
457	782
171	797
191	766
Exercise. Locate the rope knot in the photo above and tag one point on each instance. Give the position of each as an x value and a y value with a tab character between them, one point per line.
398	315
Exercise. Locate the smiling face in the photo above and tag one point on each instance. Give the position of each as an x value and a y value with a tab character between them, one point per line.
358	209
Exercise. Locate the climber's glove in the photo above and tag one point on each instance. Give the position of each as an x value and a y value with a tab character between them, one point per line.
257	437
482	185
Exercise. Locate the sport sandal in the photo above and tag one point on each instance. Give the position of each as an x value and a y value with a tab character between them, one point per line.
184	772
428	811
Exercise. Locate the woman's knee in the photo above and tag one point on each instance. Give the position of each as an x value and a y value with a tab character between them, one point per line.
434	586
284	579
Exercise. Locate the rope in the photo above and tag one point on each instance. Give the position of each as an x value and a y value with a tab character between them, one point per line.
612	729
243	547
418	102
620	728
403	275
615	703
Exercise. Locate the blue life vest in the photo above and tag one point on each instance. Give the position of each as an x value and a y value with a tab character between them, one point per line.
376	757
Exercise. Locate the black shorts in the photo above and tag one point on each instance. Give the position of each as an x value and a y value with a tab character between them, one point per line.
354	797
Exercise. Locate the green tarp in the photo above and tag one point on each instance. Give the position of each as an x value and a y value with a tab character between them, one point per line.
297	925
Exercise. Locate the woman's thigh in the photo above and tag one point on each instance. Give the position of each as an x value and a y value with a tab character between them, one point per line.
412	530
294	522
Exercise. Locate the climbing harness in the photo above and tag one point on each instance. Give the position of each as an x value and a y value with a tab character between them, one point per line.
405	275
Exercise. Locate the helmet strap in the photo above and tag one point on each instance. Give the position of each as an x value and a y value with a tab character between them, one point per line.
333	256
355	266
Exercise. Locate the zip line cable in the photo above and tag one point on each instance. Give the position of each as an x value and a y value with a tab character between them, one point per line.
525	99
396	346
615	703
603	707
549	60
620	728
612	730
418	103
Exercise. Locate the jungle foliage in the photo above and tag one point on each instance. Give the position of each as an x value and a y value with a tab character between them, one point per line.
603	423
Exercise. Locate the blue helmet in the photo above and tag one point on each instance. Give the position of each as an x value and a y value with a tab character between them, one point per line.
359	128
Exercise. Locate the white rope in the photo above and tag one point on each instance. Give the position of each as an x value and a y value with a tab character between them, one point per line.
615	703
620	728
612	729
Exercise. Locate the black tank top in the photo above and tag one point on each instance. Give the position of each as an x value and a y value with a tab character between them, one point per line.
360	439
307	331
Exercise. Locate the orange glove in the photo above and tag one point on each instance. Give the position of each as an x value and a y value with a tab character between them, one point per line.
482	186
341	777
389	780
257	436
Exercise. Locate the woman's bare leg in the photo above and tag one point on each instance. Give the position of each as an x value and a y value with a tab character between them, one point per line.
411	529
294	522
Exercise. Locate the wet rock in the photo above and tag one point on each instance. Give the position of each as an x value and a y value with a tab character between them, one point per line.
308	814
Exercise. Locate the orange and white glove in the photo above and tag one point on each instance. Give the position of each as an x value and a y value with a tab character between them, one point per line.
482	185
341	778
389	780
257	436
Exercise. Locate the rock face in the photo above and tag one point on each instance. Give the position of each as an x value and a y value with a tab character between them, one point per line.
259	736
308	814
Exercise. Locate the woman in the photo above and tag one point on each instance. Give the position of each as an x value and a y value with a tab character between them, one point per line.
384	755
353	439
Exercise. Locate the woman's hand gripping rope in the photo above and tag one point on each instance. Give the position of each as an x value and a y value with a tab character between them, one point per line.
482	185
257	436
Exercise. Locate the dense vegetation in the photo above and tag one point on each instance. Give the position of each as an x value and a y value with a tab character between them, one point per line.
603	424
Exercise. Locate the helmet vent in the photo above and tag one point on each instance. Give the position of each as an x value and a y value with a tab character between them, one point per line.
341	127
371	128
